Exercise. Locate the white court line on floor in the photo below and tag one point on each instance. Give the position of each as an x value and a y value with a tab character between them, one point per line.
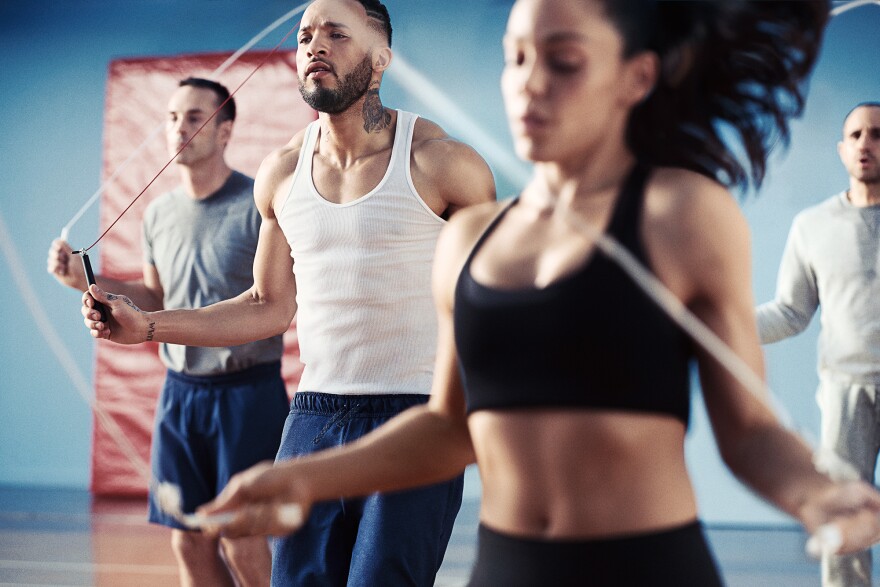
70	567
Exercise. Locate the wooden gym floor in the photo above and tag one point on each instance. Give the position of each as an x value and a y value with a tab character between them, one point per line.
65	537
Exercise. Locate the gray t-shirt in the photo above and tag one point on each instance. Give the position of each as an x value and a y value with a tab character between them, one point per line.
831	259
204	253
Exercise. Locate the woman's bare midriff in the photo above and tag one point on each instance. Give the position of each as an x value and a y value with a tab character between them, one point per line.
581	473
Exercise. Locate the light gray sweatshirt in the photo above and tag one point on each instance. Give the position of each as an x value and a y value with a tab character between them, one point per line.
831	259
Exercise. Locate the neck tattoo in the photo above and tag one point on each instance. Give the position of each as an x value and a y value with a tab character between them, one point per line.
376	118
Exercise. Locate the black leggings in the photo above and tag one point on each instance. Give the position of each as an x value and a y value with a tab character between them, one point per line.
679	557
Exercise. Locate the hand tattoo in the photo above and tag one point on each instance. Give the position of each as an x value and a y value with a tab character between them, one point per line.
376	118
125	300
151	331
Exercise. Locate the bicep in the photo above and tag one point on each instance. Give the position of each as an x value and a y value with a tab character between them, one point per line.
471	183
447	401
698	242
274	281
451	175
733	386
447	394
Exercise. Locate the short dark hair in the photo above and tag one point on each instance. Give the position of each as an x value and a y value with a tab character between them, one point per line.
379	18
227	112
869	104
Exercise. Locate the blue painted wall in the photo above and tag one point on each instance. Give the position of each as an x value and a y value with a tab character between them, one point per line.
53	61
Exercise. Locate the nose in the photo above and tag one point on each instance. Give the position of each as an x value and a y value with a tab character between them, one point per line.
176	126
316	46
867	139
535	81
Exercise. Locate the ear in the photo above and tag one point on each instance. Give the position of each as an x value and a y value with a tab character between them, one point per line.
224	132
382	59
840	152
642	72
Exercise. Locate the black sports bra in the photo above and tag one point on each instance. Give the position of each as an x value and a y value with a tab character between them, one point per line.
592	339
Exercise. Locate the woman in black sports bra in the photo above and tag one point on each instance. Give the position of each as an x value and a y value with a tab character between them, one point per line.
555	373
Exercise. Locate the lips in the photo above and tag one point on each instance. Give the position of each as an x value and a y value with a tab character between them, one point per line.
316	67
531	122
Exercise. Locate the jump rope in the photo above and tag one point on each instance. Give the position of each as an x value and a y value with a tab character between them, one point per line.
827	539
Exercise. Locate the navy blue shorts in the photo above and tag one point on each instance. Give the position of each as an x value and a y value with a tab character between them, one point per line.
678	557
209	428
391	539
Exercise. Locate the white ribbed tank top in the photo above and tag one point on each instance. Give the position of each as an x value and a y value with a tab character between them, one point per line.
366	321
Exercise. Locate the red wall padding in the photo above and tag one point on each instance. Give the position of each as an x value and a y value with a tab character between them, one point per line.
270	111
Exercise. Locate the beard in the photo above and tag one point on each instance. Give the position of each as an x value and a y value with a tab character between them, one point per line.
868	176
352	86
871	177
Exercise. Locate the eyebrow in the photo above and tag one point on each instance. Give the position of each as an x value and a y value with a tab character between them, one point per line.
870	127
190	111
560	37
565	36
328	24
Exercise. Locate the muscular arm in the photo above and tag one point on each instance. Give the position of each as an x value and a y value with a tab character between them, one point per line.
797	296
448	174
264	310
707	260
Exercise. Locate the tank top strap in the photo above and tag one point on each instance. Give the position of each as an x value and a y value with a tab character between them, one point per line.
302	177
487	231
399	171
625	221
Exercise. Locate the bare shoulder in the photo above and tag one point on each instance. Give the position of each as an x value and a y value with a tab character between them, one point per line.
463	176
688	204
455	243
275	173
694	231
467	226
462	231
432	143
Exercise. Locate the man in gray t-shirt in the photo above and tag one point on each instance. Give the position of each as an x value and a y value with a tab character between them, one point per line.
222	409
831	260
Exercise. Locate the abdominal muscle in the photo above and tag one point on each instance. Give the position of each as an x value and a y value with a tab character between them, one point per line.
557	474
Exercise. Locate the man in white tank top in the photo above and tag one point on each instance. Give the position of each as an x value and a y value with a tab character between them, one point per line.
351	210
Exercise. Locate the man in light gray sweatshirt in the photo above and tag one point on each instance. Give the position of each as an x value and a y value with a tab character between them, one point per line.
831	259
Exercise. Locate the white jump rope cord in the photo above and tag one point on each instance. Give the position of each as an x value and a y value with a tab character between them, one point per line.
65	231
826	539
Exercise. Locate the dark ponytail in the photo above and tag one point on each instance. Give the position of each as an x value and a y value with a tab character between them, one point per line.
730	68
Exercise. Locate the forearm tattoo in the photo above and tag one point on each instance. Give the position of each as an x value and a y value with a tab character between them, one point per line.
151	331
376	118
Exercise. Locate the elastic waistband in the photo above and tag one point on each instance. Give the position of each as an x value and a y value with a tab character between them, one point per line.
688	529
260	371
367	405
